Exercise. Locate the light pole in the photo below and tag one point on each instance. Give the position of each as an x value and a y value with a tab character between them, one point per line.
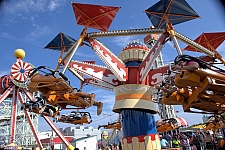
52	141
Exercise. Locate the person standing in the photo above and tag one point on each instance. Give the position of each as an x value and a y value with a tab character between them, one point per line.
169	140
176	142
163	142
208	141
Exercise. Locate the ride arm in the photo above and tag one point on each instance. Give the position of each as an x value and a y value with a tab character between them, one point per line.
95	72
217	55
68	57
127	32
146	65
100	126
116	125
170	30
193	44
111	126
99	84
111	61
157	75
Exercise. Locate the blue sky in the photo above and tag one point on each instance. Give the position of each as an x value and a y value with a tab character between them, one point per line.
32	24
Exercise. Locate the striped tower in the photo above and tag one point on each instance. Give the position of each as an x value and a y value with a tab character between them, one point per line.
132	79
134	103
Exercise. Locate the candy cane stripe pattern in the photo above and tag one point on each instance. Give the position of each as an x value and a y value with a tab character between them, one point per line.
20	70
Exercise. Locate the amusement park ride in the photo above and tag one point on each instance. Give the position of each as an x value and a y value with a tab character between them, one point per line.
215	122
76	118
130	75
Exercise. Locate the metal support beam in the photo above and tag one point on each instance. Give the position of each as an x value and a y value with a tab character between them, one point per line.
6	93
126	32
60	135
13	115
54	128
193	44
73	49
31	123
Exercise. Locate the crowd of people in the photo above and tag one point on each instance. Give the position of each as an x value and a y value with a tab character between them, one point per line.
111	147
193	141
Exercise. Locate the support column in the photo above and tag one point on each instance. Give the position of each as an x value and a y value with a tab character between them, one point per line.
31	124
6	93
57	131
134	103
13	115
51	124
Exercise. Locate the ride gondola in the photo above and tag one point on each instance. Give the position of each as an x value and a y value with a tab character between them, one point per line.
75	118
113	125
56	90
214	122
166	125
39	107
201	89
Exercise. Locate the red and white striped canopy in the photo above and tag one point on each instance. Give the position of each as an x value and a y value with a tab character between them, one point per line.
183	122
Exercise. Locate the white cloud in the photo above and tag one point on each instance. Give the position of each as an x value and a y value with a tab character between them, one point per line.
109	101
85	55
6	35
39	31
14	38
122	41
53	5
26	6
165	58
28	39
4	72
31	7
170	43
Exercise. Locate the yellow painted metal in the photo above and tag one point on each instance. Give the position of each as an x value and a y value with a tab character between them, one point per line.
70	147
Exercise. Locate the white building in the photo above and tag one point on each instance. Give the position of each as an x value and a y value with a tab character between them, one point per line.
90	142
45	134
81	136
80	131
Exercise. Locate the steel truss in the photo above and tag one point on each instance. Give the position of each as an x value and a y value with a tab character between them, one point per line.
23	135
